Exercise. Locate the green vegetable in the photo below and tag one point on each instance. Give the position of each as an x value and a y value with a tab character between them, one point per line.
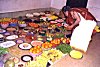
3	50
59	35
63	29
64	48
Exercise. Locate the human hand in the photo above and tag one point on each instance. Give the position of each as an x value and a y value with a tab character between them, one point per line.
69	27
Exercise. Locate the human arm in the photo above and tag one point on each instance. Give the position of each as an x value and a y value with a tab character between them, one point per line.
75	16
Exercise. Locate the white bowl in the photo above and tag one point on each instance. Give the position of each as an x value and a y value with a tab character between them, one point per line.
35	43
36	14
29	15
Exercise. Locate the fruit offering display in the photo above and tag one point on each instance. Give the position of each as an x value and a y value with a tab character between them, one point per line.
5	19
53	17
52	54
65	40
55	42
13	22
22	24
34	64
42	60
46	45
33	24
35	51
4	24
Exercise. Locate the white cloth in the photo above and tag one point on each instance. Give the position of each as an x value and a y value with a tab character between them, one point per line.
81	35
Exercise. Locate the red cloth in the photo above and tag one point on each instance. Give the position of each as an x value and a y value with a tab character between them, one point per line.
83	11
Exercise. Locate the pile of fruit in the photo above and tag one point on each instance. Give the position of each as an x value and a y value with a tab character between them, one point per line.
55	42
33	25
42	60
36	50
46	45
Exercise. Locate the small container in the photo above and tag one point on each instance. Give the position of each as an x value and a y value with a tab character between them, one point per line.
49	39
1	40
12	37
76	54
42	33
4	24
40	38
2	31
35	55
19	41
36	51
7	34
26	29
11	29
1	36
26	58
22	24
13	24
36	43
29	15
36	14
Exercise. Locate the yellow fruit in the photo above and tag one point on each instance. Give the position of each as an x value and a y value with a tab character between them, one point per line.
31	50
46	46
37	51
50	45
38	46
